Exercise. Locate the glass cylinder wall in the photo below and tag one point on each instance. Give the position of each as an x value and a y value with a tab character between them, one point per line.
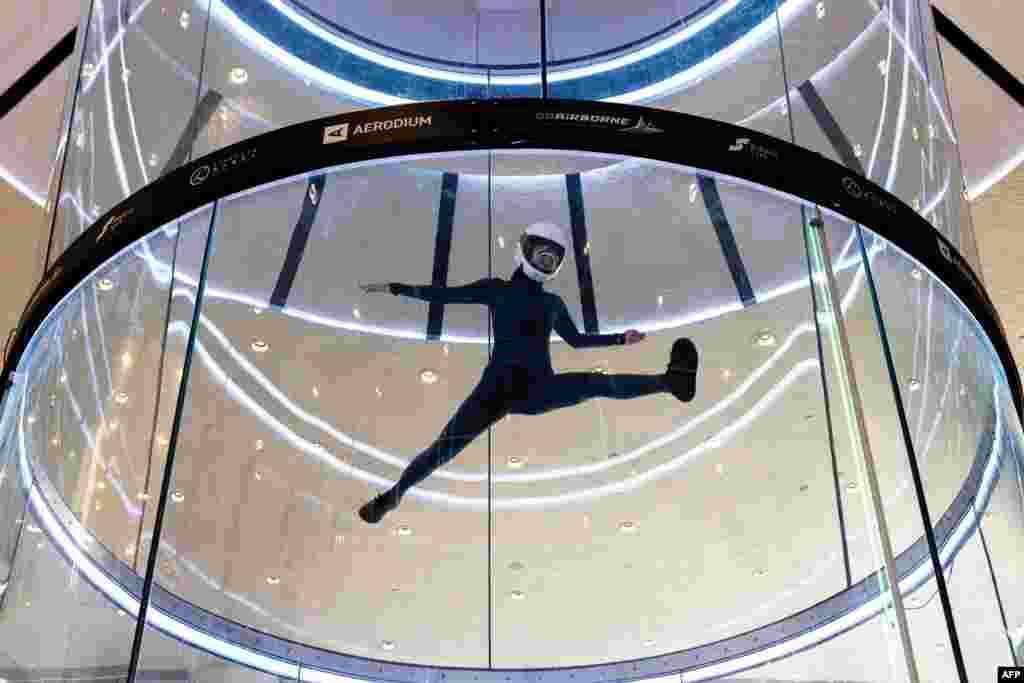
195	425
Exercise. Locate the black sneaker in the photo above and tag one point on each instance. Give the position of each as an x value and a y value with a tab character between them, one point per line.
681	376
374	511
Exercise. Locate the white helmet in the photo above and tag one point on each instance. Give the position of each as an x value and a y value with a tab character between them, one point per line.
541	251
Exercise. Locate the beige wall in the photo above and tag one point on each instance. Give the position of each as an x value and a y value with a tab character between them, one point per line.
999	224
20	254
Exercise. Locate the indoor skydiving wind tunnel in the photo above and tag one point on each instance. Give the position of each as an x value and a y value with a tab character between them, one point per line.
201	394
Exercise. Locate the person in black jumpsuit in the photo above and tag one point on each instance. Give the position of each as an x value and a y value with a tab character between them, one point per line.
519	378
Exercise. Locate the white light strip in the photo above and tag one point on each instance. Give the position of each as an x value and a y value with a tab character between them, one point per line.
22	187
255	40
1003	170
485	79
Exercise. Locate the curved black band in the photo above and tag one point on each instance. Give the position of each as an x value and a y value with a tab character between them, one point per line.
574	125
675	138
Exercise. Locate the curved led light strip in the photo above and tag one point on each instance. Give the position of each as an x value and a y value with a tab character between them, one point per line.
233	652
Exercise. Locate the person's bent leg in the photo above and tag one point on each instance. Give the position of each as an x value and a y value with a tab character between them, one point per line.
484	407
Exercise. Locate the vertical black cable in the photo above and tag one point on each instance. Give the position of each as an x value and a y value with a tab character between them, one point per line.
55	204
995	585
929	532
165	486
161	508
828	408
490	431
817	329
544	48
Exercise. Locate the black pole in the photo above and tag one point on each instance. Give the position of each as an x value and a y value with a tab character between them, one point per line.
544	48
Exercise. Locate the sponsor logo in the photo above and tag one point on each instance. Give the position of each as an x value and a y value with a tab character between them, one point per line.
854	189
944	250
338	133
221	166
755	150
642	127
599	119
342	131
739	144
114	222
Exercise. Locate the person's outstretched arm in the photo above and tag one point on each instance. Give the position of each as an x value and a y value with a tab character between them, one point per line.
479	292
567	330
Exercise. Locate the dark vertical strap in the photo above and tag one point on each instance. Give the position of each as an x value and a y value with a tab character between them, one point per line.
297	245
978	56
580	240
442	250
544	48
830	127
201	116
38	72
726	238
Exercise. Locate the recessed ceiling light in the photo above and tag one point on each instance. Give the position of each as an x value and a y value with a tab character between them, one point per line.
55	441
183	19
599	369
661	300
238	75
714	442
627	527
121	398
693	192
404	530
31	419
162	440
916	274
429	376
760	572
34	529
517	595
88	69
99	505
153	159
501	242
515	462
883	66
446	349
851	486
316	392
126	359
858	150
113	426
258	445
804	487
649	643
105	284
260	346
915	133
516	566
258	310
764	338
387	644
121	613
63	378
379	393
821	10
177	496
915	384
273	580
257	475
357	314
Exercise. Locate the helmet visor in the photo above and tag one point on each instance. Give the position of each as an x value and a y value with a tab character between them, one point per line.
542	253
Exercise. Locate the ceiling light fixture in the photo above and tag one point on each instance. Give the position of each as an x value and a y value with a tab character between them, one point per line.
515	462
162	440
260	346
387	644
627	527
760	572
105	284
821	10
429	376
121	398
273	580
238	75
915	384
126	359
404	530
764	339
184	19
177	496
517	595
